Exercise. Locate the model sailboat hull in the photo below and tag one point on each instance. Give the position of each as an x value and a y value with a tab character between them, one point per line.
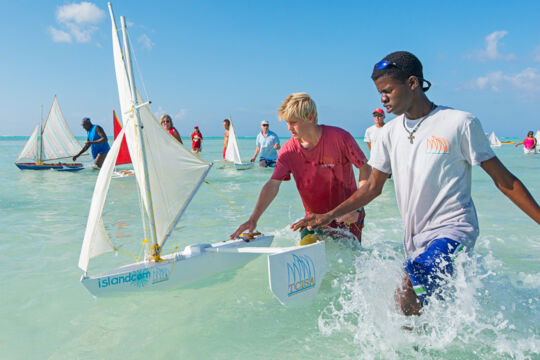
177	269
55	166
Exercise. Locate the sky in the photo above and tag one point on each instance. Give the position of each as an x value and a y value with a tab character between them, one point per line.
202	61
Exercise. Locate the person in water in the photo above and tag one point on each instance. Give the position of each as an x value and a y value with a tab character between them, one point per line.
196	140
167	124
373	131
226	125
321	159
97	142
267	144
430	150
529	142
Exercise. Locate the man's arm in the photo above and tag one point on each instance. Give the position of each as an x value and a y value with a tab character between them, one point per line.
85	147
365	172
361	197
512	187
102	136
267	195
256	153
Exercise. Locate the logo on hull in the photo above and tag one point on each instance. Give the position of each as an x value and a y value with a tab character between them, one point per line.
301	274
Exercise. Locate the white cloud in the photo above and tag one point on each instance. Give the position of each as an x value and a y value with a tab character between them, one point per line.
181	114
527	80
79	20
83	13
145	41
59	35
491	51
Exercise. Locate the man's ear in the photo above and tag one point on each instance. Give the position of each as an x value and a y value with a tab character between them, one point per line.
413	82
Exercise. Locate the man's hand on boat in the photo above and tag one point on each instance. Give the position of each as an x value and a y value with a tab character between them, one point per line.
249	225
311	222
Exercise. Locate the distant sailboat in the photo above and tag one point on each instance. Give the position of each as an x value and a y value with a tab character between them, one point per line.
52	141
232	153
123	154
494	140
167	177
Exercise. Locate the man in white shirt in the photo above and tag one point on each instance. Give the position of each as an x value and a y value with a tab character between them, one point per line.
372	132
430	151
267	144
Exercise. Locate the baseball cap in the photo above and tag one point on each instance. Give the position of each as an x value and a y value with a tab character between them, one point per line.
196	127
378	111
264	122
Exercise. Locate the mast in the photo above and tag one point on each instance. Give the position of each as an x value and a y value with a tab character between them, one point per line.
40	136
135	108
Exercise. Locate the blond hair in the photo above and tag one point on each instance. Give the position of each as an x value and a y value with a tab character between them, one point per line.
165	117
299	105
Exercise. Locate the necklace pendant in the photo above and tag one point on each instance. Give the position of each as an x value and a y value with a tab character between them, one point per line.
411	138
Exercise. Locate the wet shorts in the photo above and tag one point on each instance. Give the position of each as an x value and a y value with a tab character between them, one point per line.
428	270
269	163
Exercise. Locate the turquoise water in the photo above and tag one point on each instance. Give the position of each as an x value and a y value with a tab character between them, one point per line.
46	313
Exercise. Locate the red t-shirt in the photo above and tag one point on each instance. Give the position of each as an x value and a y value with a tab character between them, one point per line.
324	175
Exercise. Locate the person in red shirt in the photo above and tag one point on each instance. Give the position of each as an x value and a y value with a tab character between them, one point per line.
320	158
196	140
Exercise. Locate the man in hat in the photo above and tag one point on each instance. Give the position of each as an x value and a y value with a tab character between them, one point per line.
320	158
430	150
373	131
268	145
97	142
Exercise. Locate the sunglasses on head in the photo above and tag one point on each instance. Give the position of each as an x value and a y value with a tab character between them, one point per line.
386	64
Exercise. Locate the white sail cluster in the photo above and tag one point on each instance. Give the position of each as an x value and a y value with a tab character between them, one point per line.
167	174
232	153
52	142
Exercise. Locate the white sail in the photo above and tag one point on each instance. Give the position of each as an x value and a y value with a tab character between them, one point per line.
96	241
31	148
167	174
494	140
58	141
232	153
174	173
537	136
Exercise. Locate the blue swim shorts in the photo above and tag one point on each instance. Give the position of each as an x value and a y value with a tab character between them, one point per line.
269	163
428	269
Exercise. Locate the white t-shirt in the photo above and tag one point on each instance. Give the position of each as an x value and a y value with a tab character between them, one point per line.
372	134
432	176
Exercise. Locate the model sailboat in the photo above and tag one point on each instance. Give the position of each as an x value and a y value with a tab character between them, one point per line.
50	142
494	140
166	186
232	153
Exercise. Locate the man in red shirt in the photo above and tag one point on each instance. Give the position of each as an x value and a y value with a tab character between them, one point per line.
320	158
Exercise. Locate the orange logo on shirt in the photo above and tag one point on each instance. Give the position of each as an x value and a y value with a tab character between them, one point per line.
437	145
327	162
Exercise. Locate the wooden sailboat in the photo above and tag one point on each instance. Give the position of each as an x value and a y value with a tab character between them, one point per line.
166	185
232	153
50	142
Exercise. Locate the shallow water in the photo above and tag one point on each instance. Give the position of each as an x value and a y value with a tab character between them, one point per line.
46	313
